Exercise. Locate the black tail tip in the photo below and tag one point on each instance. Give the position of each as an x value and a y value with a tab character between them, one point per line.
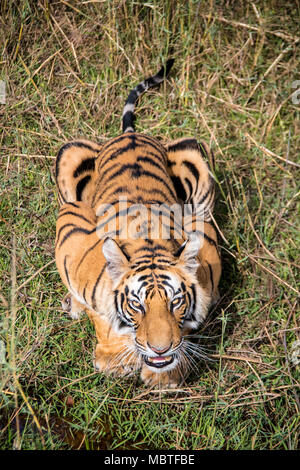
169	65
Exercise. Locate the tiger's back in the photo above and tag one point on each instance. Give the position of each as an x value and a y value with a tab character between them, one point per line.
143	292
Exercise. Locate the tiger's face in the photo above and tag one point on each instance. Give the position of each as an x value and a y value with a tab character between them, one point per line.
157	304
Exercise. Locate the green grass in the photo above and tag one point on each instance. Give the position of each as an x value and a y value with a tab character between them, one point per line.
68	67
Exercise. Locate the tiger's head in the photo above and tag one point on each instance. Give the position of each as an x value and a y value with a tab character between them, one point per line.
157	299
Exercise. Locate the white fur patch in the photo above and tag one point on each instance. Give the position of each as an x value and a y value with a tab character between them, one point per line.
128	107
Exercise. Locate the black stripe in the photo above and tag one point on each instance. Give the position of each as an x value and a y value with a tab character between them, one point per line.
85	254
149	291
180	250
61	198
145	139
76	215
104	173
119	151
164	276
122	301
120	189
166	283
119	139
189	298
142	260
114	216
76	230
128	120
136	202
211	275
187	181
192	168
123	320
145	257
95	287
164	71
145	283
80	186
85	165
132	97
135	168
203	151
144	277
159	155
179	188
206	194
152	249
164	183
186	144
149	160
66	271
156	191
193	300
61	228
207	200
99	196
144	248
141	87
151	266
74	204
138	171
84	290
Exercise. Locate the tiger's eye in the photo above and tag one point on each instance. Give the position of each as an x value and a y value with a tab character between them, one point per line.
176	302
134	304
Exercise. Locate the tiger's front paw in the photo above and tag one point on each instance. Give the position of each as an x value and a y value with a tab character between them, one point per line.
72	306
113	364
161	380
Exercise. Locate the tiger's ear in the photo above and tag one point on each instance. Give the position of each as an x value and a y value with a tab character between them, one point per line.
188	252
117	261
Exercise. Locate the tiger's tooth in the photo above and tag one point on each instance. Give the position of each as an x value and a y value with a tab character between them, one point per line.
160	359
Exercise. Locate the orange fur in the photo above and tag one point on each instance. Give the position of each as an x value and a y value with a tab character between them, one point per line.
144	285
82	264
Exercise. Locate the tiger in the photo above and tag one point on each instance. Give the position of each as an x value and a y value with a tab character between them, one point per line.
144	294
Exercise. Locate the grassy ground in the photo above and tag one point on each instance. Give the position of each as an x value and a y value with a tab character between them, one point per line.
68	67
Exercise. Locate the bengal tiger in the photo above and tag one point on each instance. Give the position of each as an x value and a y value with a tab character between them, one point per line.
143	294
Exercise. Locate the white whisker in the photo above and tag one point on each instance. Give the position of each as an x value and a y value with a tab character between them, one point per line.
126	357
190	356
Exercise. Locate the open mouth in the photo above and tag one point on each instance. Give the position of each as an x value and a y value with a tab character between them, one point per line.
158	361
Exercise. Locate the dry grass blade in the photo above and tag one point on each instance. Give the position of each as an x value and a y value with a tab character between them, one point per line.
41	66
43	99
239	24
268	270
269	153
26	155
270	68
34	275
236	358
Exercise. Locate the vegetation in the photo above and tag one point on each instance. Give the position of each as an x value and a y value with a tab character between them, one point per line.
68	67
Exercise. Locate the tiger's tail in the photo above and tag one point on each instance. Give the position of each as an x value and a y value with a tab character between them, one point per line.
128	111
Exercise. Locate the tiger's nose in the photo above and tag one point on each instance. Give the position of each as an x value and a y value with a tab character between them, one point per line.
159	351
